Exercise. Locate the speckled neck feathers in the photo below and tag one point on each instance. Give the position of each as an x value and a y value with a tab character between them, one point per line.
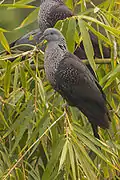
54	53
44	13
50	12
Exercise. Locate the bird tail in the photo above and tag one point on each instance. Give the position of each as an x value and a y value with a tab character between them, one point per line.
103	122
95	130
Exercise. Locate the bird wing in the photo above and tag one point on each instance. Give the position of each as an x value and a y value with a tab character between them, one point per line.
58	12
75	75
25	39
77	85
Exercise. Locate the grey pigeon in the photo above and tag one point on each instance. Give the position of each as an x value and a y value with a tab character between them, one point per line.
53	10
72	79
50	12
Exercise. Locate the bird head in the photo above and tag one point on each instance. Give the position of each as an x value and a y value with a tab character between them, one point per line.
52	34
41	1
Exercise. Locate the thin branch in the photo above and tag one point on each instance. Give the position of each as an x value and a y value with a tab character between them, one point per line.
97	61
40	67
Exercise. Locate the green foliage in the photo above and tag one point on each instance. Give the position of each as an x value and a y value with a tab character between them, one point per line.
42	139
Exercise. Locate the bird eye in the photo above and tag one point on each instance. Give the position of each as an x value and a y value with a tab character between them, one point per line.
51	33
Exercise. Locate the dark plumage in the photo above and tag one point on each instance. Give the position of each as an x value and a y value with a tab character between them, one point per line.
31	38
71	78
50	12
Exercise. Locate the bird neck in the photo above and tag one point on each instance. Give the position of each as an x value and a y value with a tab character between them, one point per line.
50	1
54	53
60	45
44	13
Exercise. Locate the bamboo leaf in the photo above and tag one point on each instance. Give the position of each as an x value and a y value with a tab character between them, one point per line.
69	3
41	90
111	76
72	161
2	118
87	43
27	65
30	18
19	174
113	30
24	1
88	171
70	34
4	42
99	34
3	30
7	79
17	6
63	155
24	119
23	78
54	159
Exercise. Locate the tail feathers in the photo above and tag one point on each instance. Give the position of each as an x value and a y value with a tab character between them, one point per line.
106	121
103	122
95	130
96	114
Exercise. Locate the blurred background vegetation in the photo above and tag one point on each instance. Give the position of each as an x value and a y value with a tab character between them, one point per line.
11	18
39	137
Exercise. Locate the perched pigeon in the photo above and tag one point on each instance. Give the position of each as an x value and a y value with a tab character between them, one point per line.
50	12
45	20
53	10
72	79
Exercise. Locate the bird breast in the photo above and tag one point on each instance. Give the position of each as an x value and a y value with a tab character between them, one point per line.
53	56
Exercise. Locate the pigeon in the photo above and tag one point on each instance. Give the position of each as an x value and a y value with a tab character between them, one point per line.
53	10
50	12
72	79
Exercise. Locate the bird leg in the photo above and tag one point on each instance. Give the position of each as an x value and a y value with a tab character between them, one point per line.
95	130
